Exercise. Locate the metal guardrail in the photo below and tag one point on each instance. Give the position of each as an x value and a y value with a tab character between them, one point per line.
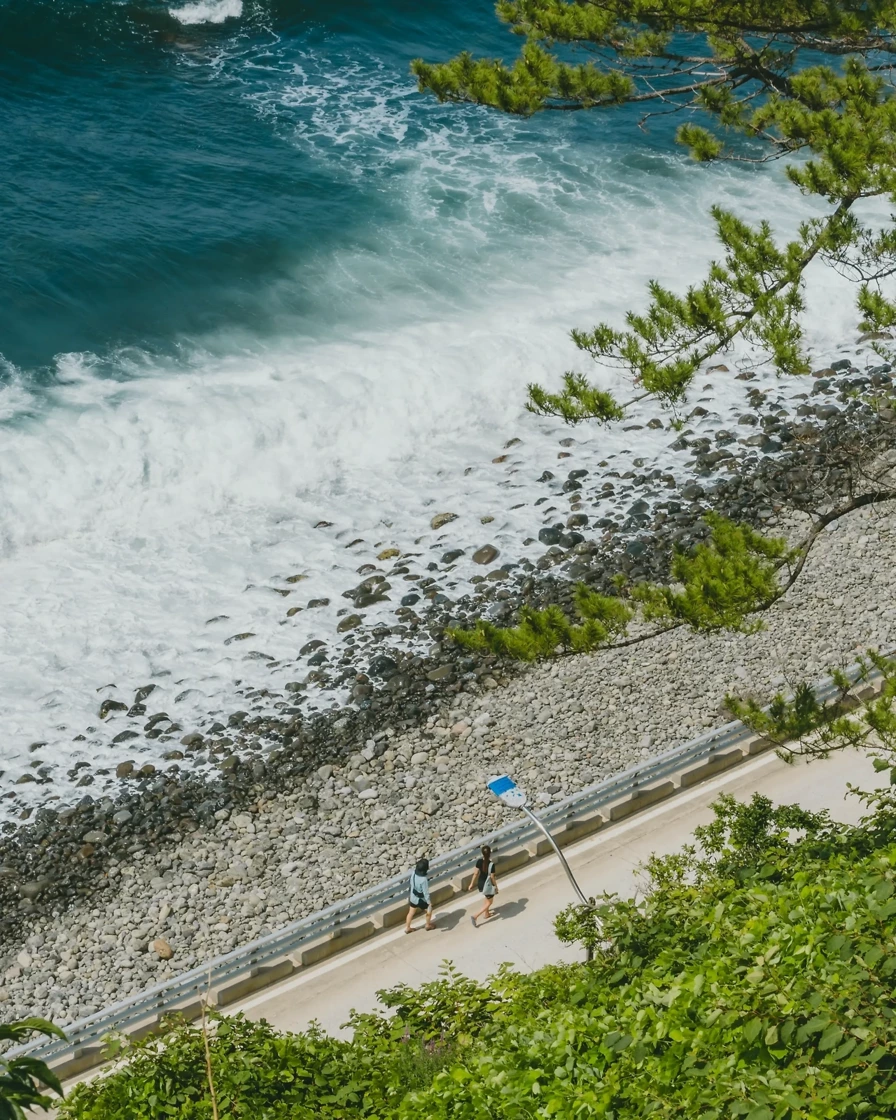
143	1010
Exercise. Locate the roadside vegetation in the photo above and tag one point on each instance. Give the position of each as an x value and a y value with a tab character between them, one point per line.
24	1080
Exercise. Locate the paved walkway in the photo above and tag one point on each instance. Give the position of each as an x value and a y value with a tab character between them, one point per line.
522	930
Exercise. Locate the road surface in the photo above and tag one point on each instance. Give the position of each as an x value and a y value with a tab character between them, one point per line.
522	930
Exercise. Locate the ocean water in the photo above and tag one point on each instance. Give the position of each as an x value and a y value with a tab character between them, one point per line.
253	281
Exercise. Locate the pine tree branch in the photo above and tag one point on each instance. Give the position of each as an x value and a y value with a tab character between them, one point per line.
712	597
651	351
874	497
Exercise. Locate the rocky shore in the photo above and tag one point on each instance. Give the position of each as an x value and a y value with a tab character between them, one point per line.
579	510
116	892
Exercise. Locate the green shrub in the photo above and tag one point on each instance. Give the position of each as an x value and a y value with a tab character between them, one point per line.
22	1078
258	1074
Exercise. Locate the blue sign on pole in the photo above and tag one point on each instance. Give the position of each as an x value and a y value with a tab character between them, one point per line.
501	785
508	791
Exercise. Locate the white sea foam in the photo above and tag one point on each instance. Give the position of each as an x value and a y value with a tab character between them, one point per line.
134	510
208	11
15	398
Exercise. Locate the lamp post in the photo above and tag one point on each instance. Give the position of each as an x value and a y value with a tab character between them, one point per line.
507	791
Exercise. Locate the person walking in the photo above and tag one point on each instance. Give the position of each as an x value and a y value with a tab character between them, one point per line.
484	879
419	895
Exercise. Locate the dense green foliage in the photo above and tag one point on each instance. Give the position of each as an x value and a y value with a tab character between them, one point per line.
22	1079
717	585
755	80
755	980
258	1073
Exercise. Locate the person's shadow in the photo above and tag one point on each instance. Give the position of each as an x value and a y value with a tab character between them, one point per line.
510	909
450	919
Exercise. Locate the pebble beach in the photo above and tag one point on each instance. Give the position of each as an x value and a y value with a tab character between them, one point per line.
273	435
352	822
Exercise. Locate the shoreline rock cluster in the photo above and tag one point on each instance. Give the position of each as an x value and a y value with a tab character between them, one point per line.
200	864
594	517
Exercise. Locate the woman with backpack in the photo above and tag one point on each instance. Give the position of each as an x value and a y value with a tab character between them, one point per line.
419	895
484	880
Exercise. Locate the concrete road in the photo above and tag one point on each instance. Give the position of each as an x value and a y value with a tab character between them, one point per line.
522	930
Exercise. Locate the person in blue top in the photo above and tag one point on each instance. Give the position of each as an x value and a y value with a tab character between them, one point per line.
418	898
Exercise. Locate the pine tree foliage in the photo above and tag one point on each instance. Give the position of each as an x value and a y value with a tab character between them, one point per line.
576	399
855	714
720	584
807	79
544	633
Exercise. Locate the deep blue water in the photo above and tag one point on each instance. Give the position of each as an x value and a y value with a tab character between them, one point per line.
154	186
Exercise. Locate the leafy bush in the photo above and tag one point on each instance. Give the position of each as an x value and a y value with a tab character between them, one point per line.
21	1078
257	1072
755	979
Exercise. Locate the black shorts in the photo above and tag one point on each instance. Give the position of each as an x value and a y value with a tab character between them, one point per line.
414	906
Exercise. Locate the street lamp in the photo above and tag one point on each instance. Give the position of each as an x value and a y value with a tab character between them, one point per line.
506	790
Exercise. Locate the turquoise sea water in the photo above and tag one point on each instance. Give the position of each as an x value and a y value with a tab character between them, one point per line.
167	179
252	280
